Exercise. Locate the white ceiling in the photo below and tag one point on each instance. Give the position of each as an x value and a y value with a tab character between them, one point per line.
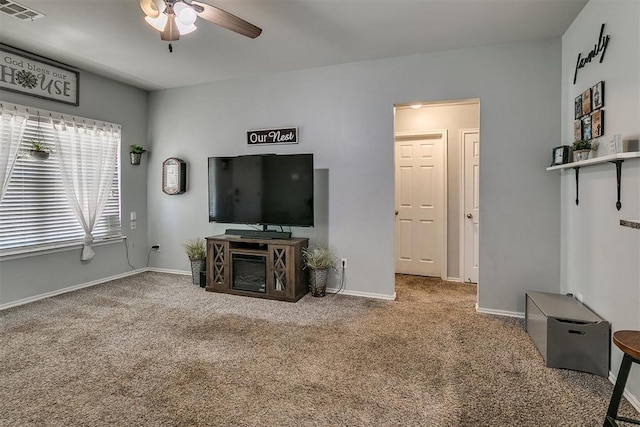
110	37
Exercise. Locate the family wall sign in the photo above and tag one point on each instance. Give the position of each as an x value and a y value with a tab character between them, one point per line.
598	49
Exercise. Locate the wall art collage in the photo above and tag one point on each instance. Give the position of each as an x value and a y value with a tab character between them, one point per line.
589	114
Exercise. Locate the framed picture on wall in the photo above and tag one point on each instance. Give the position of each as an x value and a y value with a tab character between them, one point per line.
597	96
586	127
577	130
586	102
578	107
597	123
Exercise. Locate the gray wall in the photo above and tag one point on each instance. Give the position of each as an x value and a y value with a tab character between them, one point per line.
345	116
101	99
599	257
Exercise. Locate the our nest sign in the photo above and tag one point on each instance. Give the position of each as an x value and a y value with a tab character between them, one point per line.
272	136
35	76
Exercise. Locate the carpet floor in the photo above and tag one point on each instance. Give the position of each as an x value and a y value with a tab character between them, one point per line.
154	349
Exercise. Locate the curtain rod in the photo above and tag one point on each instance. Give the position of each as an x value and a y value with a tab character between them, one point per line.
39	112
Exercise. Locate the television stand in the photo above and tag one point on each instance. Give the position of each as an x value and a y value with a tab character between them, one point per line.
259	234
264	268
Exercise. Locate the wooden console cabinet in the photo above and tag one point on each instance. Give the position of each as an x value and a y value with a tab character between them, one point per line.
230	259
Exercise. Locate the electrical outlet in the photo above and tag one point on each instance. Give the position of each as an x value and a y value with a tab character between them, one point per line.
344	263
133	225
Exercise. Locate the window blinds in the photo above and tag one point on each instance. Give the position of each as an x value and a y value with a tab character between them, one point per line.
34	213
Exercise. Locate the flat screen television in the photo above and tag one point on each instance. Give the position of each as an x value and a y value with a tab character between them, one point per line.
264	189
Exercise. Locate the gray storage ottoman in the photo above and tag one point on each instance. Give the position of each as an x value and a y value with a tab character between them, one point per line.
567	333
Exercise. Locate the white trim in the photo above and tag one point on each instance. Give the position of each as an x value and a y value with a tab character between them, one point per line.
168	271
363	294
499	312
330	290
454	279
69	289
627	394
56	247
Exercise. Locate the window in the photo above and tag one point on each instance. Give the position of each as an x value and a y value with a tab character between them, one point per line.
35	212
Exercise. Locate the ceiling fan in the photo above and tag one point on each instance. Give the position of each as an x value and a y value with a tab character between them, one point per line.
174	18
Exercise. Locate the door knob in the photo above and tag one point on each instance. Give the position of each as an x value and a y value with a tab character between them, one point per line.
396	213
469	216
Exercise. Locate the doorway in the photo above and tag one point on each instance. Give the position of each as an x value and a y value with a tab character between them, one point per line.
435	147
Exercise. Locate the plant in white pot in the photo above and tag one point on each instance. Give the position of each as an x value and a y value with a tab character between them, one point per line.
196	252
319	260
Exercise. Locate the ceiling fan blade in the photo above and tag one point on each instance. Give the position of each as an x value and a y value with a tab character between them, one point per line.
227	20
170	32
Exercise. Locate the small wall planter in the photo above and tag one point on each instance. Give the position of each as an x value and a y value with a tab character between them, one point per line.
135	158
136	154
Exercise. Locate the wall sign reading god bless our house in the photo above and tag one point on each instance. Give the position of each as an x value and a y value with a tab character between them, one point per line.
31	75
272	136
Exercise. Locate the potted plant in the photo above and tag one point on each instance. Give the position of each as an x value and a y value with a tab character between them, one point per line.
319	260
581	150
136	153
39	149
196	252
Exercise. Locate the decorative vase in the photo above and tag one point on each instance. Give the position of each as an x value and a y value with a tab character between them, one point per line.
197	265
318	279
135	158
579	155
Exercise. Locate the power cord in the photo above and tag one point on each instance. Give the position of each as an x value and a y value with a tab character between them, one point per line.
126	245
341	280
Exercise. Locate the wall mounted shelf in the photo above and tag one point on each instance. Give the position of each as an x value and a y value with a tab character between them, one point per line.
597	160
616	159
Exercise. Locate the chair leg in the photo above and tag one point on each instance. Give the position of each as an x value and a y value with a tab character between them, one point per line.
618	390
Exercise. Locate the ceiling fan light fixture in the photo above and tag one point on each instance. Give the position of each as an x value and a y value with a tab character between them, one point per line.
152	8
157	23
185	13
185	29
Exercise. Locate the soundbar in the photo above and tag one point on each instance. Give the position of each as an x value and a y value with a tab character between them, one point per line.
258	234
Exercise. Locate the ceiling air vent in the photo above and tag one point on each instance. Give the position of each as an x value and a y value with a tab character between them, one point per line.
19	11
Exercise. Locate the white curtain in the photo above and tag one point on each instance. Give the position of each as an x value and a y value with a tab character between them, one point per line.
87	159
12	125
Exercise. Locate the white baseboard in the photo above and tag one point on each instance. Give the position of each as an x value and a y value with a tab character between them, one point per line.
454	279
329	290
69	289
627	394
169	271
499	312
364	294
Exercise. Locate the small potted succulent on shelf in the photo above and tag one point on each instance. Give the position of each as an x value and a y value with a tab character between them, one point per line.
196	252
319	260
136	154
581	150
39	150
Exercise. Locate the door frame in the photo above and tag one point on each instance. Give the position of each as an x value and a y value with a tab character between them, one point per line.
463	237
444	135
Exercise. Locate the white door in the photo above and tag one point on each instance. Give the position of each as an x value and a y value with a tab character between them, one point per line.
471	144
419	194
